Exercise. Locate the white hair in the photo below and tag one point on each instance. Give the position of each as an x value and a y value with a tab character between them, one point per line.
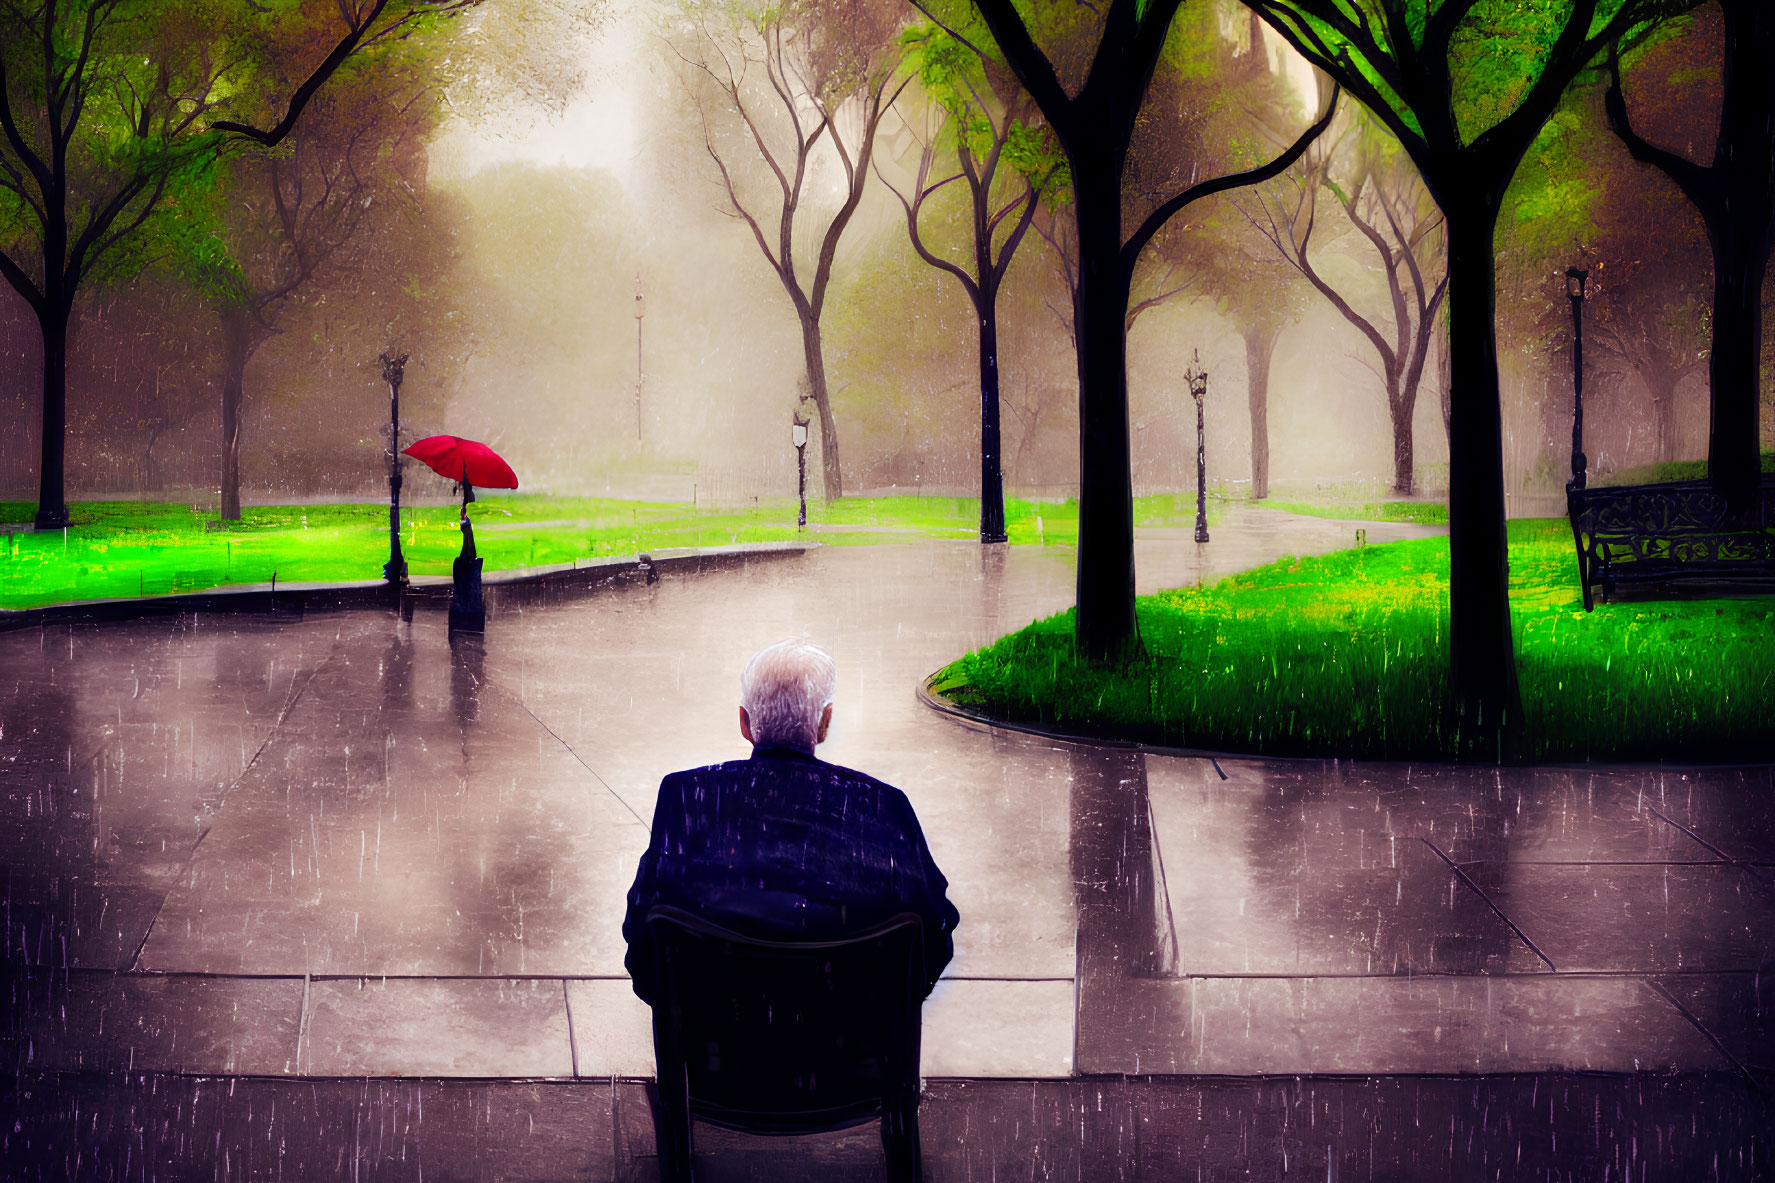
785	690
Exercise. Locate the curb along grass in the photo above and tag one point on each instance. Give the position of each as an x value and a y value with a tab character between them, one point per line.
1346	655
134	549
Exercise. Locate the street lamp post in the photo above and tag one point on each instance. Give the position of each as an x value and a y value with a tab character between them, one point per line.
798	437
1198	389
393	368
640	311
1574	291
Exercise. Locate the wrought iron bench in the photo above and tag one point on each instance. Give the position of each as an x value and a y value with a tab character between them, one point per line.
1676	537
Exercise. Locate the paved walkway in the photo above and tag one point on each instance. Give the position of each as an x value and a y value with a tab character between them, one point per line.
1389	1129
351	846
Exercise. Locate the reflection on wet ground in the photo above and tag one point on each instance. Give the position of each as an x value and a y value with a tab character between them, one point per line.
348	845
1327	917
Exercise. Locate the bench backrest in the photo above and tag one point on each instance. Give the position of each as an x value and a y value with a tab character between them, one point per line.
787	1037
1668	510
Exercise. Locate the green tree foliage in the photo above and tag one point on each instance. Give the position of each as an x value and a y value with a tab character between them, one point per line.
300	216
112	109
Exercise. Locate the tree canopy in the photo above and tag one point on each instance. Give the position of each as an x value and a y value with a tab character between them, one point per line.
110	107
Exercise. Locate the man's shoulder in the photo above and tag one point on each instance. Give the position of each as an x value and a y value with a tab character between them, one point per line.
701	772
749	770
853	775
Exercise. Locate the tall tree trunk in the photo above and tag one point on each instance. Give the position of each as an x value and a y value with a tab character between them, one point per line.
1106	628
1406	408
52	505
1663	426
1736	198
1260	347
992	480
1482	656
1400	407
1445	375
1735	366
1742	235
814	357
1660	379
236	348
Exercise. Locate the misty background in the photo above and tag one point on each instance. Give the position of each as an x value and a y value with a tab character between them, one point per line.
563	268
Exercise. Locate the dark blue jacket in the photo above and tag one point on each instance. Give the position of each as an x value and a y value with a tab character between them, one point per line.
784	846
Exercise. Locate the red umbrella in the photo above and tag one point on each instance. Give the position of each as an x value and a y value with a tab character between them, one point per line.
463	460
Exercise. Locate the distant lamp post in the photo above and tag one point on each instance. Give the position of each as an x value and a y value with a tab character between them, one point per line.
393	369
640	311
1574	291
1197	378
798	437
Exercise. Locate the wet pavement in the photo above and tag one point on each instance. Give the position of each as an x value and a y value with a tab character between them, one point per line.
344	845
1389	1129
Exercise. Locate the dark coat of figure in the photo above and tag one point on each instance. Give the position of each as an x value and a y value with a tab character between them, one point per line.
784	846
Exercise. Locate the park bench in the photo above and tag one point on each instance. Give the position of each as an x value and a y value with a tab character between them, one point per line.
1675	538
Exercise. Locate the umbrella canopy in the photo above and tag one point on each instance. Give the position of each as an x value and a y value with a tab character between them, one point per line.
463	460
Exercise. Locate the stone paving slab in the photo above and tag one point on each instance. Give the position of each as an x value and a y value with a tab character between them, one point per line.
84	926
1587	816
1302	874
418	844
636	707
475	1027
612	1029
1440	1025
1732	810
985	1029
1607	918
148	1023
1736	1009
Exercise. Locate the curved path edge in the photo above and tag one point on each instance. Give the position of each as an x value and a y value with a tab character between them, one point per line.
434	590
974	718
944	706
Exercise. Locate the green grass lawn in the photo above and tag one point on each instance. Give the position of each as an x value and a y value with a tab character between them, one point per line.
1436	512
1429	513
1676	470
1346	655
120	549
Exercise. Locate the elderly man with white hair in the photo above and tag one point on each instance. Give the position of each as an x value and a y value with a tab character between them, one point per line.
784	846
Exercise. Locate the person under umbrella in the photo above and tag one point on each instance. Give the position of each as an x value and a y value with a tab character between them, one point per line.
469	463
